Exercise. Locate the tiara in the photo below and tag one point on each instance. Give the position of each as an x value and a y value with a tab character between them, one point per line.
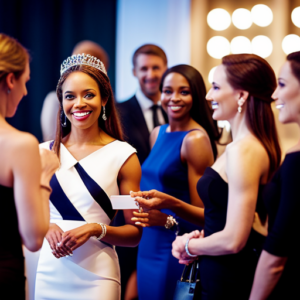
82	59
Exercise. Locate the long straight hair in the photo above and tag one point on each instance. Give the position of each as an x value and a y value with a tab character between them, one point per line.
200	112
253	74
111	126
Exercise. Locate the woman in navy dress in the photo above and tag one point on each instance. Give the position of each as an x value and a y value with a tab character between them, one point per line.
279	262
24	177
231	189
181	151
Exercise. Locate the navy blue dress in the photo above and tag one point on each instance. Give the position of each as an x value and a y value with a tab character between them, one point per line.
12	279
282	198
163	170
226	276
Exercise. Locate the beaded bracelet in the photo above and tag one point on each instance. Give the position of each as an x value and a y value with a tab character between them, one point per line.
103	233
187	249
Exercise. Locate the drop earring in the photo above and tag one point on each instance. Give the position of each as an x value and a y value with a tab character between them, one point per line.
240	103
104	115
8	91
63	119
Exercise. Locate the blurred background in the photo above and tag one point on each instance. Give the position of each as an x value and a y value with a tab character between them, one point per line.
196	32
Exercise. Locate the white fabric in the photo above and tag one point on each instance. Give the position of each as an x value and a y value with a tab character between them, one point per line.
93	270
146	105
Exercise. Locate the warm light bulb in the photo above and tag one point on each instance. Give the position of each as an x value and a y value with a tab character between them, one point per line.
218	19
211	75
240	44
218	46
296	16
241	18
291	43
262	46
262	15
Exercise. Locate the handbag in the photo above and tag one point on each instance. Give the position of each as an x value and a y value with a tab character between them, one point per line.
188	283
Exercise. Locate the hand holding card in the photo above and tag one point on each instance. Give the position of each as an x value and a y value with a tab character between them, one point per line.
123	202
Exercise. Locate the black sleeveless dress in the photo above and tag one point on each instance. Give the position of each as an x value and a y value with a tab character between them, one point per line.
12	279
226	276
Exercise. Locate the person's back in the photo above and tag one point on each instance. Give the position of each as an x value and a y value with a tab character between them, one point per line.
21	183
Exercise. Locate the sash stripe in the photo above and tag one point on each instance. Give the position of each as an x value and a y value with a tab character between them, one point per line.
96	191
62	202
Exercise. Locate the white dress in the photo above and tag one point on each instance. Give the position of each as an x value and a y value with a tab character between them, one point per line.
81	192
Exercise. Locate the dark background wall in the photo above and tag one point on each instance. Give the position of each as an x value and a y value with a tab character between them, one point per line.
50	29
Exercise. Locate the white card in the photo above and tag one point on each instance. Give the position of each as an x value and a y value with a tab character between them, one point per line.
123	202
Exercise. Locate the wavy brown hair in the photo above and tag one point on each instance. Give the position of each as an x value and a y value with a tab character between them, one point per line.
111	126
13	57
253	74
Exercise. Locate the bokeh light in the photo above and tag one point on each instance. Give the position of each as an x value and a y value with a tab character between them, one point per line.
262	46
240	44
291	43
211	75
241	18
218	19
296	16
218	46
262	15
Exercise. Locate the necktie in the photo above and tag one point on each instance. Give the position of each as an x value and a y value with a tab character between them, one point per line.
154	108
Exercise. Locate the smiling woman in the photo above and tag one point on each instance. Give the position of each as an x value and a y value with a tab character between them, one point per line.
181	151
78	259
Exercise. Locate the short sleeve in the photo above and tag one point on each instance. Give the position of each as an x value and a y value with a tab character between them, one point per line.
282	235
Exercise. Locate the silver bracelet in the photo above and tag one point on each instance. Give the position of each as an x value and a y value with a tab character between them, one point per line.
103	233
187	249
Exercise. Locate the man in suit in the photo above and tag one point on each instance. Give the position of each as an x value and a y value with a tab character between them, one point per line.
141	113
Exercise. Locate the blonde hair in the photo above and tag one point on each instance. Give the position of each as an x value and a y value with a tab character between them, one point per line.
13	57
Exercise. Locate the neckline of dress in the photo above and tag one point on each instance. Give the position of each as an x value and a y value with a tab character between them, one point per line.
98	150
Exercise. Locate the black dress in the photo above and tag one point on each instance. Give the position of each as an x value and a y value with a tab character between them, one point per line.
226	276
282	199
12	279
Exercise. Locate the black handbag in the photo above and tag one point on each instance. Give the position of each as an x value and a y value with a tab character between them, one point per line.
188	283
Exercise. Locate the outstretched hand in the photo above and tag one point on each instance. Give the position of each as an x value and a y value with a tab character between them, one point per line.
150	199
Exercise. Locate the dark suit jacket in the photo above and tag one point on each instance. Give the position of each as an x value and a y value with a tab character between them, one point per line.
134	126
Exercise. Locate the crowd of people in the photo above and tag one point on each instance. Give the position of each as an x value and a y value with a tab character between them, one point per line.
234	212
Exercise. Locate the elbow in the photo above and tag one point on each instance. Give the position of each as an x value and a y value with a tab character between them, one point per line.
33	245
137	239
235	246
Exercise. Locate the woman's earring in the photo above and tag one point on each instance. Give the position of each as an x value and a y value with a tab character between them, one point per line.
8	91
104	115
240	104
63	119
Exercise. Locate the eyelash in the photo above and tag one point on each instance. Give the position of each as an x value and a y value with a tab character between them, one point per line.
184	93
215	87
281	84
71	97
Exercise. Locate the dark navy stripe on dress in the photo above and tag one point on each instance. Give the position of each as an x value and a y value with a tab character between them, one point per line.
62	202
96	191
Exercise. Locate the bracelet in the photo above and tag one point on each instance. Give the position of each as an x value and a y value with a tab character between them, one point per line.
187	249
171	221
103	233
46	187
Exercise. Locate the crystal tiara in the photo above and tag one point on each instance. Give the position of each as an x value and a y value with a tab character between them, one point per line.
82	59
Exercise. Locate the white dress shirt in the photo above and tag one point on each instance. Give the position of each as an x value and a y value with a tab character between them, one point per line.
146	105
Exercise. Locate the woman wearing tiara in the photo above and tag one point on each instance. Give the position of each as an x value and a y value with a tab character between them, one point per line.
78	260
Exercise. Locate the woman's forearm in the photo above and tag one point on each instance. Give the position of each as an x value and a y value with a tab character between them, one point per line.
268	272
186	211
